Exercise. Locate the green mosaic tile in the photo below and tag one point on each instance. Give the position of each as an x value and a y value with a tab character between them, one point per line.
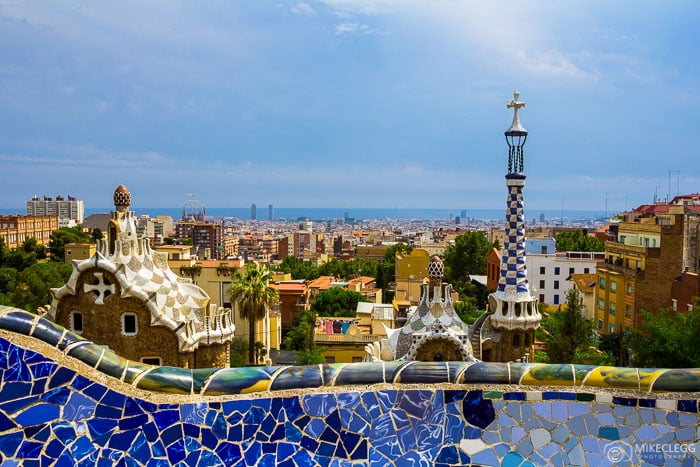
585	396
493	394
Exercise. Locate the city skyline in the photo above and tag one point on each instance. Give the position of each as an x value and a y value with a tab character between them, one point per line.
338	103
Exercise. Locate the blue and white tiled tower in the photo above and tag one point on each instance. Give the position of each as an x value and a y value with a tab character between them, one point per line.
513	307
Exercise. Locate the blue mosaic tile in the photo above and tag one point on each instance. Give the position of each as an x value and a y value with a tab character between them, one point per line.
514	396
687	405
478	411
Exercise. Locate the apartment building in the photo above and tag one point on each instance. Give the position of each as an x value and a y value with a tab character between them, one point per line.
640	265
15	229
67	210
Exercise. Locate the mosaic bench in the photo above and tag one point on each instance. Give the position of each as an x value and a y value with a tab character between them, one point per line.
67	401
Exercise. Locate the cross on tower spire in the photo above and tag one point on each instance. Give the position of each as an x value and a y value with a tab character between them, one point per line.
515	104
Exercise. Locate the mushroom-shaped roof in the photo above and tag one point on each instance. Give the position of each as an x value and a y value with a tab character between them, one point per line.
122	197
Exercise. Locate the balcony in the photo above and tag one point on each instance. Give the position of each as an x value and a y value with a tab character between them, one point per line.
347	338
619	268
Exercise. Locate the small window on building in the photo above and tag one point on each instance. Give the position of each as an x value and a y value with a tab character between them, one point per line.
629	289
151	361
601	303
556	285
129	324
571	271
76	322
612	308
611	328
542	270
556	271
627	311
556	299
586	270
541	284
601	282
541	298
613	286
330	359
356	359
600	324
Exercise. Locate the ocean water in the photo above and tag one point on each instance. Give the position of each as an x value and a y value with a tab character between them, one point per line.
355	213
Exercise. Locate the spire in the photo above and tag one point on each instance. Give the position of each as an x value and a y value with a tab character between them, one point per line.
514	306
516	136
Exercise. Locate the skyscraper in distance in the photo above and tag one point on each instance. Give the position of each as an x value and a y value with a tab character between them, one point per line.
253	212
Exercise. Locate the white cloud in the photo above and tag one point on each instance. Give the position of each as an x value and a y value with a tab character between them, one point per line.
303	7
345	28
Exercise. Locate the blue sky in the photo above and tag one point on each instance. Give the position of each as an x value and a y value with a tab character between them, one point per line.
339	103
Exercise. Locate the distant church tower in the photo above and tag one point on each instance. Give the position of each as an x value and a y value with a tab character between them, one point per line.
507	332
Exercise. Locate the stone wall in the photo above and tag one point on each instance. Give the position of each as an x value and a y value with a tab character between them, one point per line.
63	398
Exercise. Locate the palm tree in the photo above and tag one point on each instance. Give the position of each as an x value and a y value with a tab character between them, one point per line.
253	295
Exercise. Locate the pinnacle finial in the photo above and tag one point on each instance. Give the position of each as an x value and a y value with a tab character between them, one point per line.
515	104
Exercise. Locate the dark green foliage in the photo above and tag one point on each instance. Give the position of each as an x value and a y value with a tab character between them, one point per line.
338	302
467	256
614	345
239	347
168	241
97	234
23	257
298	269
578	240
568	331
299	337
467	310
348	269
667	339
309	357
64	235
29	289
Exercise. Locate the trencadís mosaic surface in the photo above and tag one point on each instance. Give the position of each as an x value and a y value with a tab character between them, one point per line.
65	401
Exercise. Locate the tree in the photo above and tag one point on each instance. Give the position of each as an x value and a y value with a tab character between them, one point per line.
31	288
578	240
467	310
300	336
239	345
260	352
338	302
252	293
667	339
97	234
568	331
60	237
467	256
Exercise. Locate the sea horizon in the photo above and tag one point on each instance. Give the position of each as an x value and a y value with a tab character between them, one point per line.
360	214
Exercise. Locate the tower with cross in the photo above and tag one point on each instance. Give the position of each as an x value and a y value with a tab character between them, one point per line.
507	333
